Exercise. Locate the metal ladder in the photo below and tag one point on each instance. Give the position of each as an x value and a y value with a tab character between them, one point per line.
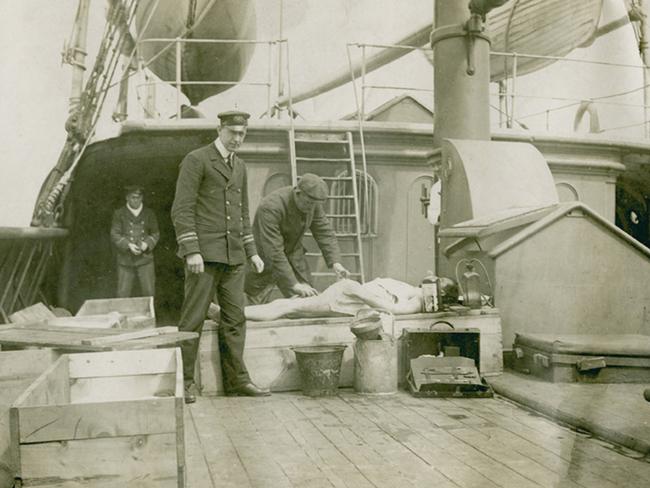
305	149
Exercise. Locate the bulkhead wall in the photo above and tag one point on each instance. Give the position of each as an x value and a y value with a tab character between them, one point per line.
400	245
576	275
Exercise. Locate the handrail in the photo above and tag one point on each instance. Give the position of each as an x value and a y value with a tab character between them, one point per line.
32	233
178	82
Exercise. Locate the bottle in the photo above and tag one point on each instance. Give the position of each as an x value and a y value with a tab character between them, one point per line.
471	281
430	293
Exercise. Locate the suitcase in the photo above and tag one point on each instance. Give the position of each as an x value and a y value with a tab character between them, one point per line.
585	358
443	363
431	376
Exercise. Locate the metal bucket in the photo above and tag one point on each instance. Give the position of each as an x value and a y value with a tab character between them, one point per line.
320	368
375	361
375	366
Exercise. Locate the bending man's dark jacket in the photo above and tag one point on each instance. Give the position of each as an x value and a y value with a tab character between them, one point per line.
210	209
128	229
278	229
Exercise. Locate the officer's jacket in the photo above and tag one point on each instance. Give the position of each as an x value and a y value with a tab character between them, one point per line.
278	229
128	229
210	209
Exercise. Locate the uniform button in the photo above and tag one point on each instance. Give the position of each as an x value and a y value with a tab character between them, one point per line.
238	190
241	218
227	232
228	217
240	204
227	202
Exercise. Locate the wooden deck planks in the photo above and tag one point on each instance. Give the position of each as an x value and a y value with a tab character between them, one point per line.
416	415
198	474
584	454
449	466
353	441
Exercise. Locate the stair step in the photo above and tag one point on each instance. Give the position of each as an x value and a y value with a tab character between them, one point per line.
336	178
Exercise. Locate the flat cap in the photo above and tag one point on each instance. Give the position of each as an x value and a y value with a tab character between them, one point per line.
313	186
134	189
234	118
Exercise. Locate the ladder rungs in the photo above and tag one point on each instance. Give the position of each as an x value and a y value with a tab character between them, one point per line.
336	178
320	141
302	158
342	216
341	197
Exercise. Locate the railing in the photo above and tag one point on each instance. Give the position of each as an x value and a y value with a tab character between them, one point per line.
25	254
508	92
360	100
178	83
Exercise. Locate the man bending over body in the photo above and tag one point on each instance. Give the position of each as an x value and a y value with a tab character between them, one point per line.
344	298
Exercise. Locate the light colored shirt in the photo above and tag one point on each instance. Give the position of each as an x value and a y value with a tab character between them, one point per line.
135	211
225	154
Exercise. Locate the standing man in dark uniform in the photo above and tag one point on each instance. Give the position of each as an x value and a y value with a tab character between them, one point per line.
281	220
134	232
210	216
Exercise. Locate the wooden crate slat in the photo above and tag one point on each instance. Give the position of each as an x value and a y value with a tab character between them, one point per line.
92	420
116	461
125	336
128	306
24	364
106	321
38	311
155	341
119	363
122	388
50	388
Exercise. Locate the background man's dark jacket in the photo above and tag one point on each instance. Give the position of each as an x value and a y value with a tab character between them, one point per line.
128	229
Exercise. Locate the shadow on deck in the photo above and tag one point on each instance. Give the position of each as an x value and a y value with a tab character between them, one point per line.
616	412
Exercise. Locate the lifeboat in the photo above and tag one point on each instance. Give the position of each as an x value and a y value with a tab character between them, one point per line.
200	62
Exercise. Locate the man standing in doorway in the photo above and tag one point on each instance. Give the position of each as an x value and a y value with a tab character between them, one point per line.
134	232
213	232
281	220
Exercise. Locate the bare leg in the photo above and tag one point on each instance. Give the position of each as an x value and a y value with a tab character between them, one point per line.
285	306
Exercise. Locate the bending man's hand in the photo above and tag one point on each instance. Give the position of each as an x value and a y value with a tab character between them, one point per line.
194	263
257	263
341	272
304	290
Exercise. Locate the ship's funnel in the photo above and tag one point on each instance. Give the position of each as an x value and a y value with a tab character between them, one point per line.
461	75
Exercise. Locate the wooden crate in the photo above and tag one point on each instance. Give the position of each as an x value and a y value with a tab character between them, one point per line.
105	419
139	311
271	362
18	369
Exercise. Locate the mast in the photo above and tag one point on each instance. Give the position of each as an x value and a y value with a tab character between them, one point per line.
75	54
